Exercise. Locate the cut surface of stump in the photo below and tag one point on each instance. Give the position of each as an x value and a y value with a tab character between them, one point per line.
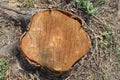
55	40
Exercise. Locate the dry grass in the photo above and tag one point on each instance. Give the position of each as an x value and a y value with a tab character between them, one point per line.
101	62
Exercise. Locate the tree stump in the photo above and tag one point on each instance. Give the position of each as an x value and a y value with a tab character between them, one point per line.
55	40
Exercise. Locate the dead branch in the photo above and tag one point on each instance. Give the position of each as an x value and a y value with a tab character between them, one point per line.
18	14
6	8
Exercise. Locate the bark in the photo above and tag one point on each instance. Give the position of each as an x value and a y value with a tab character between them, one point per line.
55	39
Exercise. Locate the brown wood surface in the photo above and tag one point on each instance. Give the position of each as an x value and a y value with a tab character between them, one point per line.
55	40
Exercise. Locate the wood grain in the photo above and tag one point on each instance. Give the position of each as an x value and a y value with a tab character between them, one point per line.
55	40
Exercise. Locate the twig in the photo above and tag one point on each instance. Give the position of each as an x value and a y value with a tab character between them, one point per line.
96	42
93	52
98	20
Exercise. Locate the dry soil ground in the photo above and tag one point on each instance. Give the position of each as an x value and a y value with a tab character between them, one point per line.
102	61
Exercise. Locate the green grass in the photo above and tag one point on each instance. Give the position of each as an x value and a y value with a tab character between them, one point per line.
99	1
87	5
28	3
90	77
106	43
118	53
3	68
117	61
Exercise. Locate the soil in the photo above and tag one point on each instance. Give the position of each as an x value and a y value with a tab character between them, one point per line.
96	65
